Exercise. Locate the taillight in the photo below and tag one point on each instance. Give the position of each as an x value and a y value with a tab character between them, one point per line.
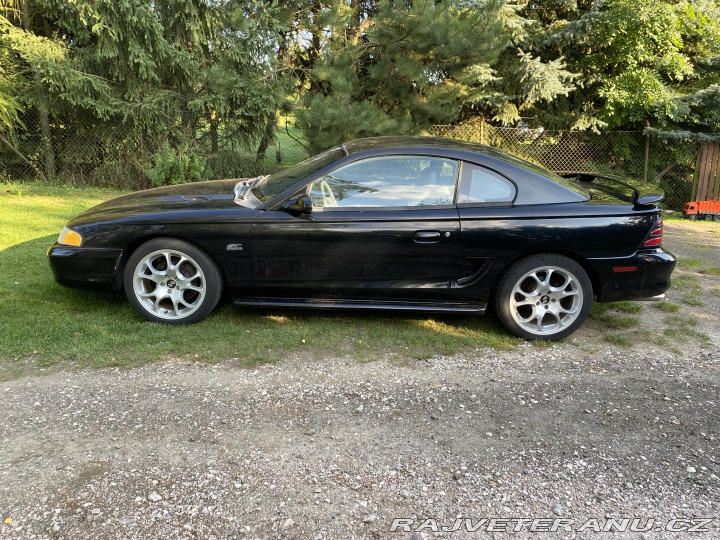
655	236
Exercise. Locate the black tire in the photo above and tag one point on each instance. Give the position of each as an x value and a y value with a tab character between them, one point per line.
692	217
172	282
553	283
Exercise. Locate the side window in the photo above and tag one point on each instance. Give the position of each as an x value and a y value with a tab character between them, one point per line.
388	181
481	185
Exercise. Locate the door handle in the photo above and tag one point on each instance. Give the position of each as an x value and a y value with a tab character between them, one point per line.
427	237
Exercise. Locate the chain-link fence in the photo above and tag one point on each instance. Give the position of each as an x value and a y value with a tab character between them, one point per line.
288	145
87	154
116	156
624	153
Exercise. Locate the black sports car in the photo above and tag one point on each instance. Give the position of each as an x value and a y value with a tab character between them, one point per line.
402	223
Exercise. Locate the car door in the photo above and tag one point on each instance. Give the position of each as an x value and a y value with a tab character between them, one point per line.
382	229
491	231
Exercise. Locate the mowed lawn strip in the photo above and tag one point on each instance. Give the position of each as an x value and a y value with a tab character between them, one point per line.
43	324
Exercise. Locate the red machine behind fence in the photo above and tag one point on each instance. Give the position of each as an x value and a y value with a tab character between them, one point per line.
708	210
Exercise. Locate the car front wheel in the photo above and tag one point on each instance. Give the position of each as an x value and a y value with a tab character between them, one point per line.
544	297
172	282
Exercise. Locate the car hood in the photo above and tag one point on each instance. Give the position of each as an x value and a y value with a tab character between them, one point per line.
210	195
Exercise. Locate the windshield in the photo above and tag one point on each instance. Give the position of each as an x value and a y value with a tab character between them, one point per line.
279	182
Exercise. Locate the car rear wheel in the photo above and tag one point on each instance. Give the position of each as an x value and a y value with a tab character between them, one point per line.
544	297
172	282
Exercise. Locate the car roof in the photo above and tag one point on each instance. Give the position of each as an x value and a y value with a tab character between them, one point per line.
374	143
418	143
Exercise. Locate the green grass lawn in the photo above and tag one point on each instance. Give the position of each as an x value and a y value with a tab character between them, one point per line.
43	324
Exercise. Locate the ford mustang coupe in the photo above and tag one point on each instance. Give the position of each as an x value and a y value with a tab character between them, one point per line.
399	223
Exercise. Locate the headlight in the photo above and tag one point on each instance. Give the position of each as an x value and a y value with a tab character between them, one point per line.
68	237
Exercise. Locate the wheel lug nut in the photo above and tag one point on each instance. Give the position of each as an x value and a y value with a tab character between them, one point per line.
162	284
169	291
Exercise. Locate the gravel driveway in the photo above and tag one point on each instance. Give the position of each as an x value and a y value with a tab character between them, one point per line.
565	437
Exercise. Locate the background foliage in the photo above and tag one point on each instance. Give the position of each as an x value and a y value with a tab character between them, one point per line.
130	94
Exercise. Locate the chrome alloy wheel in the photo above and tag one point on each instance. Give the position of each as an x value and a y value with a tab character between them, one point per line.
546	300
169	284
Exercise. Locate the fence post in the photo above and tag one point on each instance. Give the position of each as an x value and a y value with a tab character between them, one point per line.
647	156
699	161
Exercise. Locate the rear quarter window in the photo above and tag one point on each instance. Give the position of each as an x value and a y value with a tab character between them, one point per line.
484	186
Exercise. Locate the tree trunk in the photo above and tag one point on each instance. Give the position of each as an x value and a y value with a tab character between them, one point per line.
214	132
265	141
42	105
44	117
25	160
315	51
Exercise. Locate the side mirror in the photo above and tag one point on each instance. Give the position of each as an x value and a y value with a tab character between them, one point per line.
302	205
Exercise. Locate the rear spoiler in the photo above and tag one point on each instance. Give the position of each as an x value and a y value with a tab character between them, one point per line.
639	193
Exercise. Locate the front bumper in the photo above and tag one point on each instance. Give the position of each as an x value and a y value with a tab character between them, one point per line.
648	281
85	268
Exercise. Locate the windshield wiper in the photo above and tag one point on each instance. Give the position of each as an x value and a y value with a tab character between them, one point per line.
242	188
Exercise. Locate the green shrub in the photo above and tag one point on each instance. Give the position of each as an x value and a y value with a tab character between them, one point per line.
228	163
175	166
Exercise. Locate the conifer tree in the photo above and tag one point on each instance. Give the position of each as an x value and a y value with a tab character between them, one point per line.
396	68
173	71
638	62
